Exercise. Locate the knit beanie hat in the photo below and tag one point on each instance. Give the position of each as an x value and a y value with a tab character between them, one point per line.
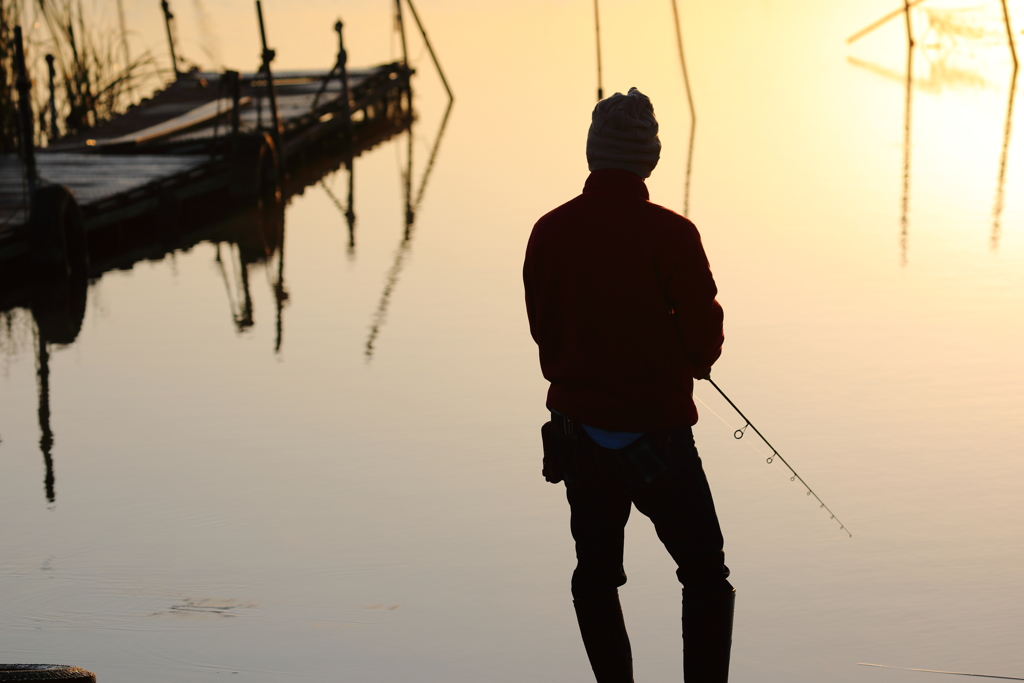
624	134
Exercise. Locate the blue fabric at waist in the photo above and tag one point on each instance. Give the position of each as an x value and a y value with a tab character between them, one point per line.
611	440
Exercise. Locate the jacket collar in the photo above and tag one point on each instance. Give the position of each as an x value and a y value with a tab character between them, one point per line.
616	180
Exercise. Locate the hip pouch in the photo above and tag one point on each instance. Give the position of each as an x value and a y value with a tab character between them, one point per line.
559	454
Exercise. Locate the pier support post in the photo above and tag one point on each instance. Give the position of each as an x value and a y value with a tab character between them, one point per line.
400	25
341	66
168	21
234	86
54	132
268	56
232	83
346	99
27	129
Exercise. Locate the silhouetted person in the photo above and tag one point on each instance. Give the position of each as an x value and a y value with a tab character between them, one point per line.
622	305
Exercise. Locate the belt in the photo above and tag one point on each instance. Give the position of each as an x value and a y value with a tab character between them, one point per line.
564	424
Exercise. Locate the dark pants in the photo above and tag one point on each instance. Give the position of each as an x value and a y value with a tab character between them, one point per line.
662	475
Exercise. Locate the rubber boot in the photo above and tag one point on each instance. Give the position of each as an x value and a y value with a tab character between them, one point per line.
604	635
707	633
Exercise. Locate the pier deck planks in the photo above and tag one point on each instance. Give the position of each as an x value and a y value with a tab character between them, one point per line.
90	177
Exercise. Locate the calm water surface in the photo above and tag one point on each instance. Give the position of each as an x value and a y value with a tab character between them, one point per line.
378	514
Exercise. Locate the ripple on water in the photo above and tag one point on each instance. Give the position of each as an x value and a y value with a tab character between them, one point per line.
76	603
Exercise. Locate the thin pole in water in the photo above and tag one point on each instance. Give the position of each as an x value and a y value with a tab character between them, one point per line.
907	122
1009	36
997	209
430	49
906	14
693	110
597	33
739	433
400	25
268	57
168	19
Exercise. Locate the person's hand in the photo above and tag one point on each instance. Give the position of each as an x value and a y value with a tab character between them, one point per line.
704	373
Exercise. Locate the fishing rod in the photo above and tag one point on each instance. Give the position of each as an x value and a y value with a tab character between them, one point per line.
741	432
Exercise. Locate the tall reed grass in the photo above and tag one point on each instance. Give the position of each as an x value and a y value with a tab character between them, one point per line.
94	81
8	100
94	85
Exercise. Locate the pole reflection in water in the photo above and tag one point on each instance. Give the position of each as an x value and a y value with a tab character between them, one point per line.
258	240
58	308
411	207
997	209
948	33
347	210
239	298
242	240
693	110
350	213
907	119
46	436
280	293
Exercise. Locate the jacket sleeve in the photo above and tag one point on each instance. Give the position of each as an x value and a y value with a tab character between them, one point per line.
528	287
691	293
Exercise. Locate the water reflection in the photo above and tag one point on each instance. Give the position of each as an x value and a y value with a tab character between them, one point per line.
411	207
693	110
347	210
907	119
997	208
259	244
951	35
46	437
243	241
58	308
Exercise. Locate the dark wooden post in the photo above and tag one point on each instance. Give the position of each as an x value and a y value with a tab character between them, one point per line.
235	88
54	132
268	57
168	19
400	25
27	129
346	103
346	100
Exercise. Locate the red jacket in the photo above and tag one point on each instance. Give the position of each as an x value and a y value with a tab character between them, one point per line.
622	305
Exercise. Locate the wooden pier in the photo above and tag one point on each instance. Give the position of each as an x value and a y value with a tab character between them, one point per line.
191	144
